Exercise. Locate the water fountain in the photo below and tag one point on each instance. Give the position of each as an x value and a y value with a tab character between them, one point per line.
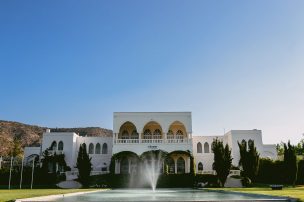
151	170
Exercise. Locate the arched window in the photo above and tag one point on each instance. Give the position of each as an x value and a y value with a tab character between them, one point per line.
54	146
147	134
134	135
180	165
200	166
170	134
91	148
124	166
157	134
104	148
171	165
199	147
97	148
206	147
60	146
125	135
179	134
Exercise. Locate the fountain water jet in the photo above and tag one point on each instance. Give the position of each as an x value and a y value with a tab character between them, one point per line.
151	170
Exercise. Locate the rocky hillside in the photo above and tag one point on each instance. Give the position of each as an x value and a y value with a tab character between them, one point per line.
30	135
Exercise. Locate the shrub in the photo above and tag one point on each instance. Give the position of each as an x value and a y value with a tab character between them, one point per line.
300	176
270	172
246	181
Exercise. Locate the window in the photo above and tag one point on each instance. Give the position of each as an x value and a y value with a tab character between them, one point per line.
54	146
147	134
134	135
180	165
125	135
104	148
206	147
179	134
199	147
60	146
91	148
157	134
97	148
200	166
170	134
171	165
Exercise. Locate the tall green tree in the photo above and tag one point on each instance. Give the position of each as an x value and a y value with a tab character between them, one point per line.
222	160
84	165
249	159
290	163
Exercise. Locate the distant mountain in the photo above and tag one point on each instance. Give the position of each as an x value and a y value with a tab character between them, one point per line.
30	135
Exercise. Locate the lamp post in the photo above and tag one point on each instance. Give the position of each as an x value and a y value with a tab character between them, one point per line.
33	168
21	172
10	175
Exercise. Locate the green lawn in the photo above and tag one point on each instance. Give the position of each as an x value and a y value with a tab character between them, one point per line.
11	195
294	192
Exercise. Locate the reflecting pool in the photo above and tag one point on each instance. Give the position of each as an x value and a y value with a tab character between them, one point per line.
165	195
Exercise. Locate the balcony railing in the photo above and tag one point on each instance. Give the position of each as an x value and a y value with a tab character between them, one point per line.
52	152
157	141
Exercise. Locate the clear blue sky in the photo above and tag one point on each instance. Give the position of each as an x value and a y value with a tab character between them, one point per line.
234	64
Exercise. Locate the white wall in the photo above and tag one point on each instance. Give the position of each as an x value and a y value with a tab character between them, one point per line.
68	140
98	160
205	158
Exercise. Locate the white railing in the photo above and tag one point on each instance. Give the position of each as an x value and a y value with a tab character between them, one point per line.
92	172
127	141
152	141
157	141
207	172
52	152
235	172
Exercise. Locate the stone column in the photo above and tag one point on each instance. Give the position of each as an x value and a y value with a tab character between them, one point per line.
175	166
139	137
165	137
188	165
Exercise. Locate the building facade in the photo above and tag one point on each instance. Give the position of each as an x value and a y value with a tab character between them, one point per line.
141	132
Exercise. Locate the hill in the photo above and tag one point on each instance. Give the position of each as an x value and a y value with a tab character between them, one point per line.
12	133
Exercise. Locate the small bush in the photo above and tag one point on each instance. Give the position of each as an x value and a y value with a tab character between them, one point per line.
246	182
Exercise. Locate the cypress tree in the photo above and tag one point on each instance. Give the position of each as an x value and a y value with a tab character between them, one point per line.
249	159
84	165
290	163
222	160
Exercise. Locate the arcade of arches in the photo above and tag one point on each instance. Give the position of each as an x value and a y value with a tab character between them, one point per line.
152	130
173	163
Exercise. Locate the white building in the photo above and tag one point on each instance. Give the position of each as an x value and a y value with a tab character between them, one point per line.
139	132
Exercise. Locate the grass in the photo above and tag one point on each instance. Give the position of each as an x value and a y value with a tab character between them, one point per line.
13	194
293	192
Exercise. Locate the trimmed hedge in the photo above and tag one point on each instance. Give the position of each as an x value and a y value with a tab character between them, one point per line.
300	176
270	172
40	178
164	181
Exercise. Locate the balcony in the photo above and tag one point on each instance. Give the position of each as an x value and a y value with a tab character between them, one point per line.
154	141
